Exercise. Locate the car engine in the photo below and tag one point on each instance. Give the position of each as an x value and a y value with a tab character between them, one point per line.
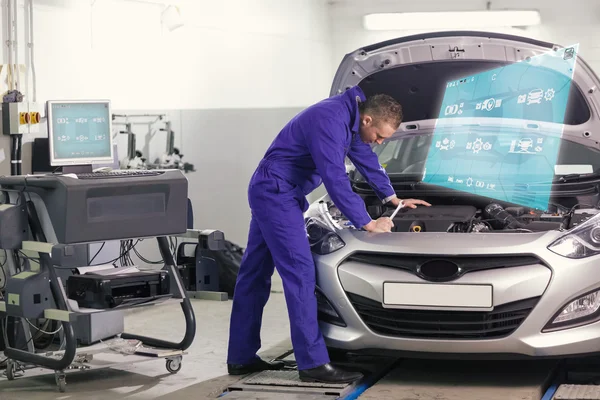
464	218
433	219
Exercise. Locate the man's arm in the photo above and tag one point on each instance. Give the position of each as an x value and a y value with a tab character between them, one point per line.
368	165
325	140
366	162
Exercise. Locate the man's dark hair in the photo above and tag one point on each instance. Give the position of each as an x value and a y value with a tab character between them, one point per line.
383	108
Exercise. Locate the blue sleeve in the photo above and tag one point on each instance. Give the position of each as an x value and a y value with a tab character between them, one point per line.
366	162
325	138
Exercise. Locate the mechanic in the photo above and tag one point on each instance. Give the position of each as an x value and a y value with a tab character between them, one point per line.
309	150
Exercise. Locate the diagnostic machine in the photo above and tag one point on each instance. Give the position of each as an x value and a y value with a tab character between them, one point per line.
58	214
78	205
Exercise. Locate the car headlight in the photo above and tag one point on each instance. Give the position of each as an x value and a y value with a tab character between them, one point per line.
323	240
581	242
583	309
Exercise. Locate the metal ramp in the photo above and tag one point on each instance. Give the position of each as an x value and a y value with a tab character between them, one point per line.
580	381
577	392
423	379
286	383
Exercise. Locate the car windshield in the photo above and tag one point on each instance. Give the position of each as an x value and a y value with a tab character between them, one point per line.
407	156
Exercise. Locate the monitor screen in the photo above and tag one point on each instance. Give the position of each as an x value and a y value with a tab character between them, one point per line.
499	132
79	132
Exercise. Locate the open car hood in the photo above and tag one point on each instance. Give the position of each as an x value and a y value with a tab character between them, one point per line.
416	69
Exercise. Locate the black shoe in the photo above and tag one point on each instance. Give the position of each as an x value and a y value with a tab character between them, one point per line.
327	373
257	366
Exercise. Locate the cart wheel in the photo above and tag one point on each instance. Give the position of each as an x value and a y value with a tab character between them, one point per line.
61	382
11	368
174	365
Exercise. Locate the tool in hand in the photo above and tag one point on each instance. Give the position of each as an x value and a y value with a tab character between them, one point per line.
400	205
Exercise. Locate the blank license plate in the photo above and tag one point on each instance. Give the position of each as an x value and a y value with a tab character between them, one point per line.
437	295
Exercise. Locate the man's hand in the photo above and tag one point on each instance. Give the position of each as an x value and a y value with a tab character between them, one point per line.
410	203
383	224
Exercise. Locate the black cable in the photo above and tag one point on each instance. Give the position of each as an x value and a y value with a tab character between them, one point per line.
108	262
4	329
122	254
38	342
121	251
98	252
14	155
173	246
26	257
137	253
131	247
566	221
19	155
2	269
128	245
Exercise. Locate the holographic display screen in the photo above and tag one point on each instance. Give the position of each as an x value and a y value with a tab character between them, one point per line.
499	132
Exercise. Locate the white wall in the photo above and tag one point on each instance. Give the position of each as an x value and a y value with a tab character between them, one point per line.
229	53
564	23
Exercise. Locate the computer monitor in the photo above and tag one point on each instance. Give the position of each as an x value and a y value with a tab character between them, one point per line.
79	134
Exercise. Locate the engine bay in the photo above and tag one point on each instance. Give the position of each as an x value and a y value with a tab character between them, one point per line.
466	218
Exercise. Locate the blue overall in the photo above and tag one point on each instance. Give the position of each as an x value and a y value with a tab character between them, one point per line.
310	150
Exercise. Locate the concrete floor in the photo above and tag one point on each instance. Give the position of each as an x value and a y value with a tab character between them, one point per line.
204	371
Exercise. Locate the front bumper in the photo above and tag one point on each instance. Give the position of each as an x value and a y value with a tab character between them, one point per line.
525	298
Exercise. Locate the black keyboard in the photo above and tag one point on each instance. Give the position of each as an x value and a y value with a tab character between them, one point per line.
127	173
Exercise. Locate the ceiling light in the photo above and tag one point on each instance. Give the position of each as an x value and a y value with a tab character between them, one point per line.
451	20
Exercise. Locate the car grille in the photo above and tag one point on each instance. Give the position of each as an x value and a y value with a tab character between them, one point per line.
429	324
467	263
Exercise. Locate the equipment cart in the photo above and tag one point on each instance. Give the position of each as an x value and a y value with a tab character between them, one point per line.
33	227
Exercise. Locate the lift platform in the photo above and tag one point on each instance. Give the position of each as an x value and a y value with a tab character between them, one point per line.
427	379
287	384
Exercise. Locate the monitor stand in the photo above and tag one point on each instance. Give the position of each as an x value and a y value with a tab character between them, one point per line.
77	169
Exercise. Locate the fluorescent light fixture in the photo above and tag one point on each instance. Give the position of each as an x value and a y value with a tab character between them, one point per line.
451	20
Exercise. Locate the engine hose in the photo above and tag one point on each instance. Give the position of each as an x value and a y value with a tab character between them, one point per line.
498	213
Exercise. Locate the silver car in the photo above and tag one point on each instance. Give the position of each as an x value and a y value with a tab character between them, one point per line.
506	261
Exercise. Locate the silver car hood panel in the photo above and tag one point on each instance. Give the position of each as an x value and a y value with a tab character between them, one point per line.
469	46
444	243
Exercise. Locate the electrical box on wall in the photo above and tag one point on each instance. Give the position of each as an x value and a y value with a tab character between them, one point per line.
35	116
20	118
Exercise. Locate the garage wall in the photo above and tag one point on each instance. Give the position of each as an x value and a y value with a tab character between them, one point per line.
564	23
229	79
228	53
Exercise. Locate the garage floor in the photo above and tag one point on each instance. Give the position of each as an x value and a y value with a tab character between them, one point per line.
204	371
